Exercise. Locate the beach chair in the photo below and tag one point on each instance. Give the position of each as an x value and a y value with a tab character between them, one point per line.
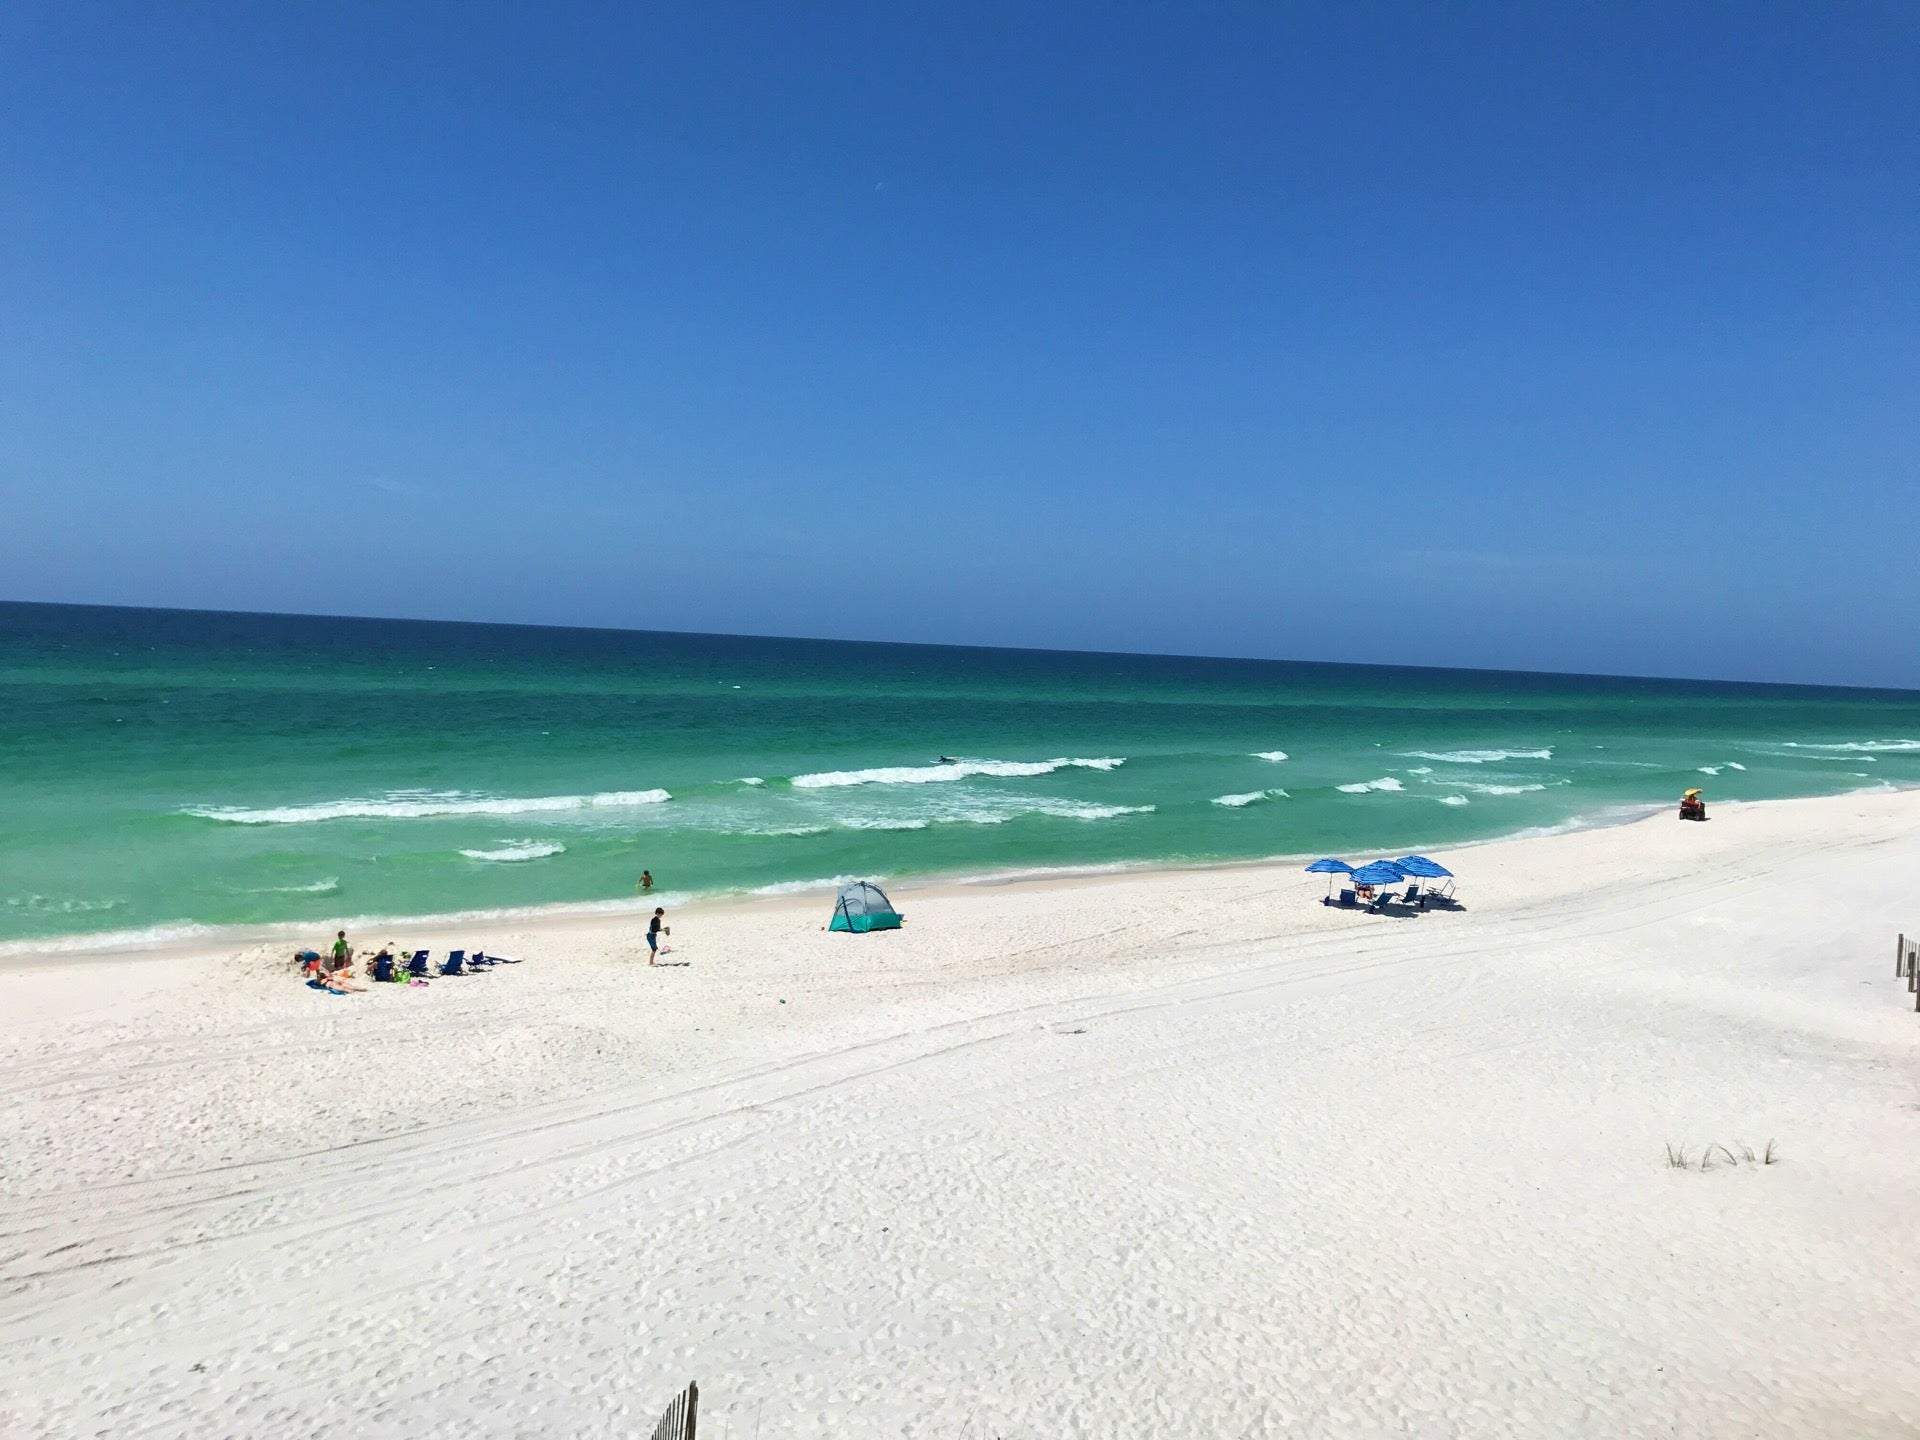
1348	899
417	966
383	967
456	963
479	958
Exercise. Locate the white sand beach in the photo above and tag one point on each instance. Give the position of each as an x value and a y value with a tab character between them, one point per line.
1182	1152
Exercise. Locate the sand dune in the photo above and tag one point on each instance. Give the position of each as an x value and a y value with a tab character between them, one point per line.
1124	1155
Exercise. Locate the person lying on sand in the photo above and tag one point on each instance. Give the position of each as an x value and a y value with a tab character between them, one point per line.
341	982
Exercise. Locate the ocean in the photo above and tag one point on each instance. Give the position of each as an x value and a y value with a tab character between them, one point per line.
162	771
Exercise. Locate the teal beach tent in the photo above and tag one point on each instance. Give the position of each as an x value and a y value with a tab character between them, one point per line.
863	907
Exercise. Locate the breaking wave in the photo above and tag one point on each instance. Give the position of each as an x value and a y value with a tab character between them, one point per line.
48	905
513	850
1361	787
1274	756
1251	797
951	770
106	940
800	887
422	805
1454	800
1479	757
995	814
1858	747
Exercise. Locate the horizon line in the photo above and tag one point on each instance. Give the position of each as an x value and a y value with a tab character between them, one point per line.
952	645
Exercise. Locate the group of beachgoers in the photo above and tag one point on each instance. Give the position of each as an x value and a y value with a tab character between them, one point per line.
335	971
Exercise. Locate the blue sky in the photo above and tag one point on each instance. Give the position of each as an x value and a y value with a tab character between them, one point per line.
1539	336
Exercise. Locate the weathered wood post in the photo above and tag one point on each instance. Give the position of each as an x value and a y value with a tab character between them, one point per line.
1900	957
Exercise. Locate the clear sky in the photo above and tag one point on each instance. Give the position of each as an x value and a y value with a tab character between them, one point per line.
1578	337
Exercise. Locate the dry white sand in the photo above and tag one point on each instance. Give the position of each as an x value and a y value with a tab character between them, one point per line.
1180	1153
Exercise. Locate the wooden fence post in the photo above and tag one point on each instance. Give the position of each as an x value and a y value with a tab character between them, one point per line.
1900	957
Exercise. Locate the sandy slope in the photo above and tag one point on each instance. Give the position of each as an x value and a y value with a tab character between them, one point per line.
1181	1153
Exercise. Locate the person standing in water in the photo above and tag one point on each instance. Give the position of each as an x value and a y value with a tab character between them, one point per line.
654	929
646	881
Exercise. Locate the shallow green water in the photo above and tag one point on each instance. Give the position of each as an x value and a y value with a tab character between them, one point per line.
162	768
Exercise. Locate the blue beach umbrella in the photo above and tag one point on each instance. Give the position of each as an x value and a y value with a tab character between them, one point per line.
1329	867
1420	867
1380	872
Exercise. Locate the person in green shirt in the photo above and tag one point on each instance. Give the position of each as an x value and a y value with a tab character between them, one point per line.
342	952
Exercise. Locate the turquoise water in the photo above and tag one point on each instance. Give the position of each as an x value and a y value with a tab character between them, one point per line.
166	769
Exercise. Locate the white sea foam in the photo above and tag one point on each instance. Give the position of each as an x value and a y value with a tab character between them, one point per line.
1499	789
1073	810
319	887
992	813
750	780
1419	770
1709	769
143	939
49	905
953	770
1251	797
421	805
515	850
774	831
1855	747
801	887
1735	765
1361	787
1479	757
1454	800
1275	756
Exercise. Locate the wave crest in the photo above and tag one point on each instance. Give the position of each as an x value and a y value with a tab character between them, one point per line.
1479	757
1251	797
1271	756
515	850
950	771
1361	787
1861	747
423	805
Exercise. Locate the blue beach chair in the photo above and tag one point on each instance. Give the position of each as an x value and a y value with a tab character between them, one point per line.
417	966
456	963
